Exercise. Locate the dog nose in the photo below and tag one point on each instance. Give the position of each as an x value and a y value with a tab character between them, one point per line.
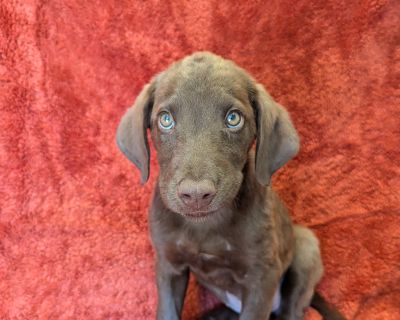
196	194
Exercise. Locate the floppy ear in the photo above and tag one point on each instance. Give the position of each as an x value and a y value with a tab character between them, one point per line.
132	131
277	139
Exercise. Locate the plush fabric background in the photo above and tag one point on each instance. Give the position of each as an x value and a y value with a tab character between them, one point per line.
73	220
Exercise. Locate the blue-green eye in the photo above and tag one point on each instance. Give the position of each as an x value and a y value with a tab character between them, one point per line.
166	121
234	120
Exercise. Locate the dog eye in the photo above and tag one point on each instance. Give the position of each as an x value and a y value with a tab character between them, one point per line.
166	121
234	119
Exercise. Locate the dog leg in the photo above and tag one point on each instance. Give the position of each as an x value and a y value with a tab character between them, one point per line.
303	275
171	291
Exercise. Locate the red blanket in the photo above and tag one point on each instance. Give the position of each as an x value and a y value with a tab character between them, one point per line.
73	216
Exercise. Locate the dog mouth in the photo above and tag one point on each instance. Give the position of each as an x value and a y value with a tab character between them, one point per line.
198	215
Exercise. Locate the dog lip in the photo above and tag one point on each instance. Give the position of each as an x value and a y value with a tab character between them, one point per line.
198	214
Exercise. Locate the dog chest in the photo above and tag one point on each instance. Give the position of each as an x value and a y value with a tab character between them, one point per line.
218	261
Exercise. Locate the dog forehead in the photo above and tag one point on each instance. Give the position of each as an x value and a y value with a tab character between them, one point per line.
203	77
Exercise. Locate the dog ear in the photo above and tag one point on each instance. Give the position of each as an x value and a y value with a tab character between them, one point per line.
277	139
132	131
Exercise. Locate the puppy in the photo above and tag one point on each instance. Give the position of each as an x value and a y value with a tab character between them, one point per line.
213	212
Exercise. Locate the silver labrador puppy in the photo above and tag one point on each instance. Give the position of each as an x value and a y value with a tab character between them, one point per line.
213	212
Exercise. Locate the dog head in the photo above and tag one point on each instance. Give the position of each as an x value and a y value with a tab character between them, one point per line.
205	113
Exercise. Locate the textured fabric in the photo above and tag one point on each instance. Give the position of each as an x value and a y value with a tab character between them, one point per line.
73	216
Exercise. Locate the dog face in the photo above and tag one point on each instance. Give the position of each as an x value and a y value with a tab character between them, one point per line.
204	113
202	125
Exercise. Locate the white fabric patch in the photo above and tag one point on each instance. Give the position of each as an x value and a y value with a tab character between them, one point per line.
235	304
